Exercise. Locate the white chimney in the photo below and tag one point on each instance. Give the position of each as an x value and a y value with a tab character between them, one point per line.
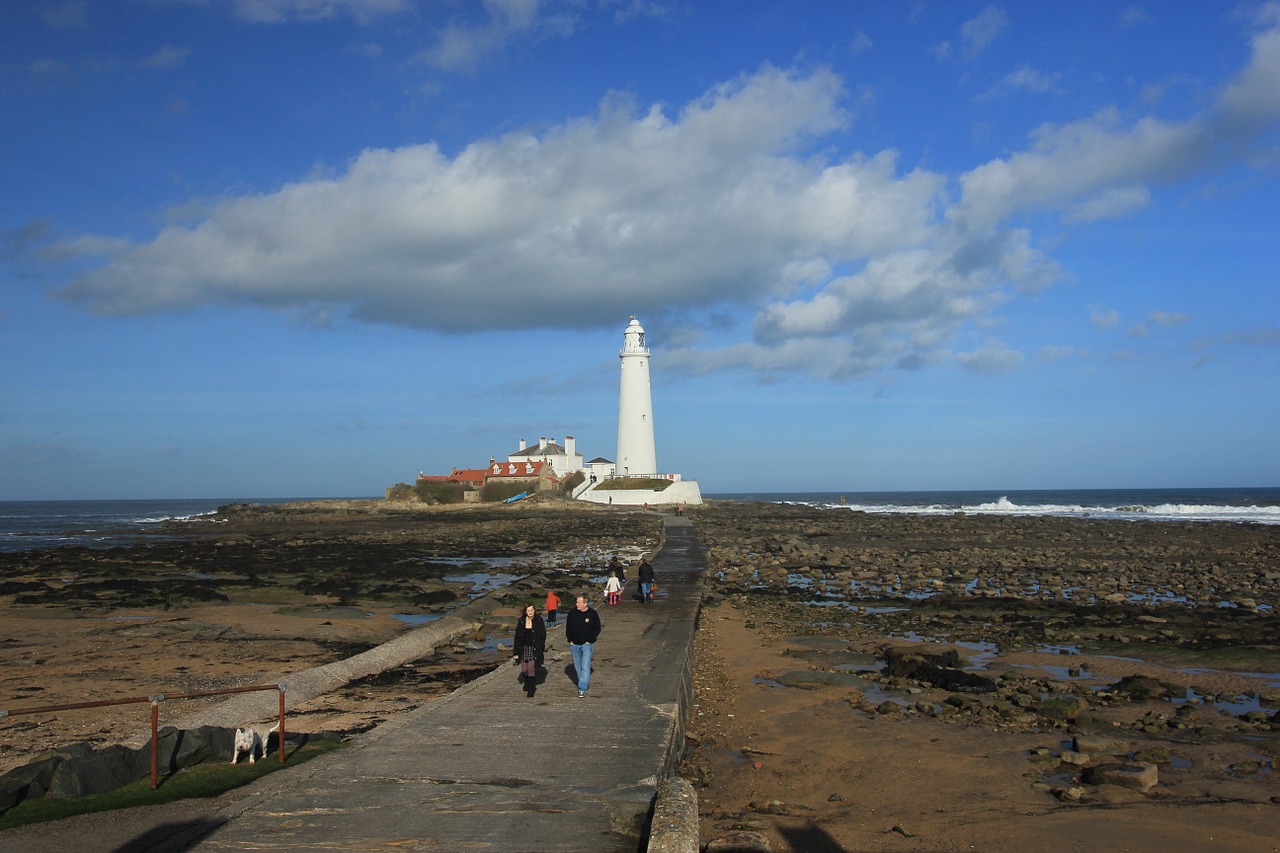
569	447
542	442
522	444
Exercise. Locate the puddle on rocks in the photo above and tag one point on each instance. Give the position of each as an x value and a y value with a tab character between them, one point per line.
417	619
871	692
1239	706
482	583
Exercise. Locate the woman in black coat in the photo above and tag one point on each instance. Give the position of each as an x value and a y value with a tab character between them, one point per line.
529	646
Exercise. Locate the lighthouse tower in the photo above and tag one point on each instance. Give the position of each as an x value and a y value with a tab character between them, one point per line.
636	454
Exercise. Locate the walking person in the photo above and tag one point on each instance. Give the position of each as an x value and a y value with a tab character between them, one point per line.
645	574
613	589
552	607
529	647
581	629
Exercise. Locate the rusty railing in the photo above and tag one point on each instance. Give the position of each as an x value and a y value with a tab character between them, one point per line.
155	699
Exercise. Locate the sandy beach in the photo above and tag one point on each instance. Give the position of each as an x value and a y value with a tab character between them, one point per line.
862	682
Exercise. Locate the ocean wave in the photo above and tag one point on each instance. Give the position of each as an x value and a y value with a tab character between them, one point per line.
1154	512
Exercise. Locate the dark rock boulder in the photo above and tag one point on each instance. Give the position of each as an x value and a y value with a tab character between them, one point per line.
1137	776
1139	688
940	668
101	770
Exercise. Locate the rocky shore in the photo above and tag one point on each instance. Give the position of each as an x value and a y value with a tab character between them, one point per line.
862	682
1056	666
256	592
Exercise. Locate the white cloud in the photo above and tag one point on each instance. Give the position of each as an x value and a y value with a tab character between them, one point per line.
992	358
1051	353
1108	203
979	32
1167	319
66	16
1157	319
279	11
1134	16
49	70
845	265
168	56
597	214
1100	165
463	46
1104	318
1024	79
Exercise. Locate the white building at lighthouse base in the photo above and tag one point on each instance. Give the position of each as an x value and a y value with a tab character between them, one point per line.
677	492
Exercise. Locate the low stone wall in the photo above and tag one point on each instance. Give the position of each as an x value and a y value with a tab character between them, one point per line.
684	492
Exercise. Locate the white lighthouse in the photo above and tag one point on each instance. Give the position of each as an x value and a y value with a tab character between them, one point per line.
636	454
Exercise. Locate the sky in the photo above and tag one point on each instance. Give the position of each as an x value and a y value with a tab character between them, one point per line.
311	248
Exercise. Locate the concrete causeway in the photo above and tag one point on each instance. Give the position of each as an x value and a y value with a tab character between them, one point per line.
488	769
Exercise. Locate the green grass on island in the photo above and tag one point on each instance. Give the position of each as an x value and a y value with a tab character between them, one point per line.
624	484
194	783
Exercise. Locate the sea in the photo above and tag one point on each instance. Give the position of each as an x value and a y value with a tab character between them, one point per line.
1258	505
35	525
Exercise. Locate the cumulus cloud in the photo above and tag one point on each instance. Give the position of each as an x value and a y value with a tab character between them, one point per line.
568	228
1101	165
734	205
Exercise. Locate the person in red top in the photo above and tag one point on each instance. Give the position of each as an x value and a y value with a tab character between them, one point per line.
553	604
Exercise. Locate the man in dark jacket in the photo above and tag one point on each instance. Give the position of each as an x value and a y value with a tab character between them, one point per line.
645	573
581	629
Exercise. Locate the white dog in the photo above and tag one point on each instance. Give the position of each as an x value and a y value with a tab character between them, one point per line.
249	741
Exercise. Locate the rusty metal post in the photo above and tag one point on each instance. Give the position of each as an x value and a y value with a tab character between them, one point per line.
280	730
155	740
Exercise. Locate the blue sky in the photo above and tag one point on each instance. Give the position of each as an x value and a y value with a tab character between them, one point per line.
313	247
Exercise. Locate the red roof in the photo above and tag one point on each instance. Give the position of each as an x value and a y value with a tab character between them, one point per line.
515	469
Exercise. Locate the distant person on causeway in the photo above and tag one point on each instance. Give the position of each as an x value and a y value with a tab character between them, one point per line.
552	607
581	628
645	574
